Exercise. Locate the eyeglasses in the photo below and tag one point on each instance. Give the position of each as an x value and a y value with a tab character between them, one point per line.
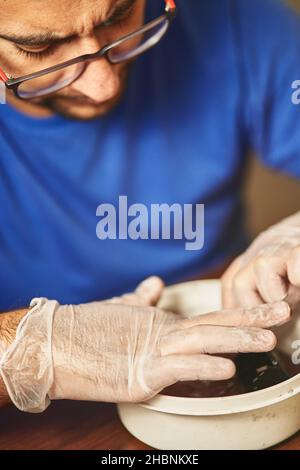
59	76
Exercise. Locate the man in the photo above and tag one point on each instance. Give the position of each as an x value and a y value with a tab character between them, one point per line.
172	126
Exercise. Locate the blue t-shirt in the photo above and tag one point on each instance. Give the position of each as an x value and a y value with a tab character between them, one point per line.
218	85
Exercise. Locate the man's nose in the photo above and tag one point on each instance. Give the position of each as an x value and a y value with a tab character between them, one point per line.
100	81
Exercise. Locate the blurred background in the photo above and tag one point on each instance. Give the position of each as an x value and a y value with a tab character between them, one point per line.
282	197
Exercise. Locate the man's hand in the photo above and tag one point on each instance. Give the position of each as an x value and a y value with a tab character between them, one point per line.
118	352
268	271
146	294
121	353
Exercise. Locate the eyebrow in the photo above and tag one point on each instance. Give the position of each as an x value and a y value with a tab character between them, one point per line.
45	39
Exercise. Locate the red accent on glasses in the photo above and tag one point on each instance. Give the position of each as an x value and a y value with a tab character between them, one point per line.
170	4
3	77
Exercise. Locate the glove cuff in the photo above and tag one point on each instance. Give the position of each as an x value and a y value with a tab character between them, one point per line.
27	365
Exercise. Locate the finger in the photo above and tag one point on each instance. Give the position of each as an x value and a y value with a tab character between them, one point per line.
150	290
263	316
270	272
126	299
293	299
293	267
172	369
245	288
228	300
146	294
206	339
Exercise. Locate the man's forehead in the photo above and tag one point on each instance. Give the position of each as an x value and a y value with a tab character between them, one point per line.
58	16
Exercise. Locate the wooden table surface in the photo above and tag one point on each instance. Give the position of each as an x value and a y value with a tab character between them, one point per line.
75	426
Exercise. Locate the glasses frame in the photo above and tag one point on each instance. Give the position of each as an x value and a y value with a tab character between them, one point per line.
14	83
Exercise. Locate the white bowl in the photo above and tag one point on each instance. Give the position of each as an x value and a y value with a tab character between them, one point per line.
255	420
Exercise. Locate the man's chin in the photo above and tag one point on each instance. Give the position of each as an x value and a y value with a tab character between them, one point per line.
81	110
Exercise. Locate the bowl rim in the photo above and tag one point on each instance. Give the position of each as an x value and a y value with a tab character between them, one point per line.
225	405
221	405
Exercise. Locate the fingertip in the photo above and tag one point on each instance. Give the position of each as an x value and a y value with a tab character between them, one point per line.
269	340
229	369
220	368
281	309
151	283
156	280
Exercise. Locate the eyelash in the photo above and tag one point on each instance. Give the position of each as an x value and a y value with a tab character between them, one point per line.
51	49
36	55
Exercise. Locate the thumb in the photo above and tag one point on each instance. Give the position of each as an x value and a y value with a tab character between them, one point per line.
228	300
146	294
150	290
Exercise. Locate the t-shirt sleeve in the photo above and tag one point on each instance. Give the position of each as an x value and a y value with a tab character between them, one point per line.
267	39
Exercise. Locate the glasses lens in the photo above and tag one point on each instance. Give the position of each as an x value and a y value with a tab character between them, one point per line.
139	42
50	82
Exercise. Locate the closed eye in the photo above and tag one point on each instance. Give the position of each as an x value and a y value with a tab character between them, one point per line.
36	54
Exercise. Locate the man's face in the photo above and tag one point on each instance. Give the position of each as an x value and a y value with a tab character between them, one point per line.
36	34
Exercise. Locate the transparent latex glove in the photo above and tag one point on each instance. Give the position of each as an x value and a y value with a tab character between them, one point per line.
29	376
114	352
268	271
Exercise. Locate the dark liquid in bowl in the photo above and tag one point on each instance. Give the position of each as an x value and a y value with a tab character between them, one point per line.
254	372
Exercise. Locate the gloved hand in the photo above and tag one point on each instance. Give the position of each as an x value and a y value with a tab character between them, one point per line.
124	353
268	271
